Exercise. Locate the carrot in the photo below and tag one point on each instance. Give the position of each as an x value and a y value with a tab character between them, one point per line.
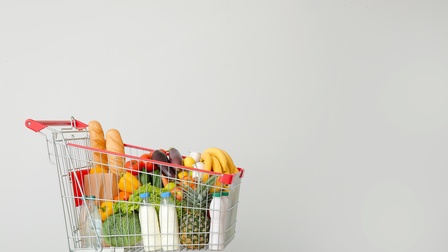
164	180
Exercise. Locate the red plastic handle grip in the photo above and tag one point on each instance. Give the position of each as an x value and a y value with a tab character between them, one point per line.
38	125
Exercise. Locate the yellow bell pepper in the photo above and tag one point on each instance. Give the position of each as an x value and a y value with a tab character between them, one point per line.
106	209
182	174
128	183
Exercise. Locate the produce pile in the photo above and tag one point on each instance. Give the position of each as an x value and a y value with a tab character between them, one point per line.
190	179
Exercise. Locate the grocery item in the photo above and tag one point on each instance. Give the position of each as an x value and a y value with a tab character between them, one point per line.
134	166
195	225
189	161
160	155
174	156
148	165
114	143
144	177
106	209
226	164
217	166
206	159
128	182
122	230
195	155
134	200
169	227
149	224
103	186
196	174
123	196
98	141
77	184
225	199
217	222
90	224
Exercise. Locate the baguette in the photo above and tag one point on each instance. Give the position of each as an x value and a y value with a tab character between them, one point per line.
98	141
114	143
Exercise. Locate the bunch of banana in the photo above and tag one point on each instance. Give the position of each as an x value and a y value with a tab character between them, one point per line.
218	160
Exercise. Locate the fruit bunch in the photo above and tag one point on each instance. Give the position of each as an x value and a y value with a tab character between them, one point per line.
211	159
218	160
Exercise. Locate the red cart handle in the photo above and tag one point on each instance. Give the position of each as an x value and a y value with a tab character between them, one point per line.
38	125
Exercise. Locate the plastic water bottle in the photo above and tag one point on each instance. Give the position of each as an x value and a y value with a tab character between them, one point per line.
149	224
217	222
90	224
169	228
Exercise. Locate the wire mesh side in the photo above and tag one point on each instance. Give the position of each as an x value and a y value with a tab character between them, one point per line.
72	154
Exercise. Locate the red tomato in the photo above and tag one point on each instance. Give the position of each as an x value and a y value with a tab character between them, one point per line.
148	165
146	155
178	193
133	166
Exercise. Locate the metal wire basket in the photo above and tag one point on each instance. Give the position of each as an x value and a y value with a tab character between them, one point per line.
191	189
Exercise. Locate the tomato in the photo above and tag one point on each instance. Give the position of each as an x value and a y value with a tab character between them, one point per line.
148	165
146	155
178	193
133	166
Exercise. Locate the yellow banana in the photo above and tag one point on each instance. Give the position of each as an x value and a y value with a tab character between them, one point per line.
232	167
218	153
206	158
216	165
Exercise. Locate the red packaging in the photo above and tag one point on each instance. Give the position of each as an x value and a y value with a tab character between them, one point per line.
77	190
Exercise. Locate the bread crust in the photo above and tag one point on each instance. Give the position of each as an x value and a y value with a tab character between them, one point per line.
98	141
114	143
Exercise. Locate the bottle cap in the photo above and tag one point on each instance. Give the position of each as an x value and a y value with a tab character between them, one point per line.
216	194
145	195
225	193
90	197
165	194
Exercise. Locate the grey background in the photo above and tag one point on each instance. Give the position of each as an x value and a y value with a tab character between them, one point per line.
336	109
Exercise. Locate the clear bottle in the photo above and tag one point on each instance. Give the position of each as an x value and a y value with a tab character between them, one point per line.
149	225
169	228
90	224
217	222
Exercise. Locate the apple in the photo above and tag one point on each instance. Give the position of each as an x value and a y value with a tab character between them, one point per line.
170	186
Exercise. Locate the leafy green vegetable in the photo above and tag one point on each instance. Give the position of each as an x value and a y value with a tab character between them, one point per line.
122	230
134	202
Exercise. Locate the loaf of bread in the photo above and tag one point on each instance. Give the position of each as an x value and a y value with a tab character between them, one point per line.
98	141
114	143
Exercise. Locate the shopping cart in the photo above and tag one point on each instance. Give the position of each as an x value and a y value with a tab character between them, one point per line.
69	148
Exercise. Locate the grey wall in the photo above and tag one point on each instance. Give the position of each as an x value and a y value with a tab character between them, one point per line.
336	109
